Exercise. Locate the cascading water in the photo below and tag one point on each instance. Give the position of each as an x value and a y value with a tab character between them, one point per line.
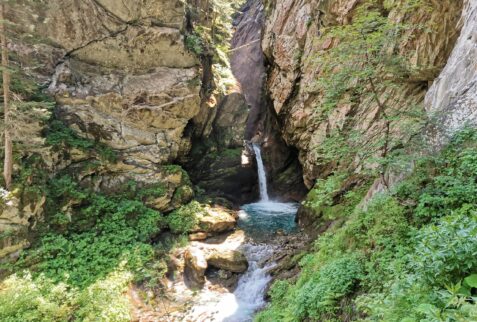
260	221
262	176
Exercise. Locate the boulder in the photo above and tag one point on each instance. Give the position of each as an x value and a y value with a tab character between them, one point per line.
195	265
216	220
198	236
229	260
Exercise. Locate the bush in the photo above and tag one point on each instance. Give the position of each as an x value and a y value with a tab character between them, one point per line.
318	296
408	255
184	219
24	298
61	136
446	251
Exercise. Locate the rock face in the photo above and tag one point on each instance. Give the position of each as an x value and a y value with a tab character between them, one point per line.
15	221
247	61
141	116
248	66
452	98
291	41
216	162
122	76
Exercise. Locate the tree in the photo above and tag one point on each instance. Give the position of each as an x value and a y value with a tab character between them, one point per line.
8	161
363	67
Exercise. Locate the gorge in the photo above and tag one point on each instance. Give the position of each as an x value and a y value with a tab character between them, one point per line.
255	160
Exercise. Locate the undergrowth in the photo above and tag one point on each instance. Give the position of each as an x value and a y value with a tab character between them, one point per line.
409	255
93	247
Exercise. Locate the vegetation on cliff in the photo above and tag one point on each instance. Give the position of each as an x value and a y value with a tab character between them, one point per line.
409	253
407	256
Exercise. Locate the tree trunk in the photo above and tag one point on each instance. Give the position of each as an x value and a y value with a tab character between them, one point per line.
8	162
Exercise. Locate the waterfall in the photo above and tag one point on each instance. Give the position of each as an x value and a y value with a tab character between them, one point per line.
262	177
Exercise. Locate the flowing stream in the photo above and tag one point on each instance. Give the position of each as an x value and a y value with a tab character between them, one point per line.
260	221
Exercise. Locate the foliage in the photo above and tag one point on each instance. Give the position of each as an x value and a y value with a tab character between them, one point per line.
195	43
318	294
416	257
118	230
61	136
25	299
28	299
336	196
95	246
184	219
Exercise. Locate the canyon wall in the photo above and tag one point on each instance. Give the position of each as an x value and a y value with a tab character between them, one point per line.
122	76
248	66
452	98
292	42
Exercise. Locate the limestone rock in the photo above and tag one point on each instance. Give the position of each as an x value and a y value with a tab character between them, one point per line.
216	220
452	98
139	48
198	236
229	260
195	266
172	185
291	41
74	24
17	222
141	116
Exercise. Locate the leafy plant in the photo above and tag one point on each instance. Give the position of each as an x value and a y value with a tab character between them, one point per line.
184	219
61	136
416	258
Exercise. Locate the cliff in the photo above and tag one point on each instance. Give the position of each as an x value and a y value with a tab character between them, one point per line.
294	38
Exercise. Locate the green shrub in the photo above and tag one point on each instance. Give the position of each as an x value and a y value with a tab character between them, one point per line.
61	136
446	251
318	297
415	245
105	300
25	299
195	43
184	219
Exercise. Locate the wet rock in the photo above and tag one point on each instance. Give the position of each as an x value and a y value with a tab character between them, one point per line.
229	260
222	280
195	265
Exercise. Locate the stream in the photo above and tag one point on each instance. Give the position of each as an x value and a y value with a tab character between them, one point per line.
259	222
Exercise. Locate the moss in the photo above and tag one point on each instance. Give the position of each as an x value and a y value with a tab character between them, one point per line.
182	194
231	153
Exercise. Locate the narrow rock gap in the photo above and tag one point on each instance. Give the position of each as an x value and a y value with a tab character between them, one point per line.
249	67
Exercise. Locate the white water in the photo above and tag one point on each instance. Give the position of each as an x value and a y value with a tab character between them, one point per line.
262	176
260	221
239	306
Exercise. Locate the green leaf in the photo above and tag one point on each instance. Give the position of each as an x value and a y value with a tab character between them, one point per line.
428	309
471	280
